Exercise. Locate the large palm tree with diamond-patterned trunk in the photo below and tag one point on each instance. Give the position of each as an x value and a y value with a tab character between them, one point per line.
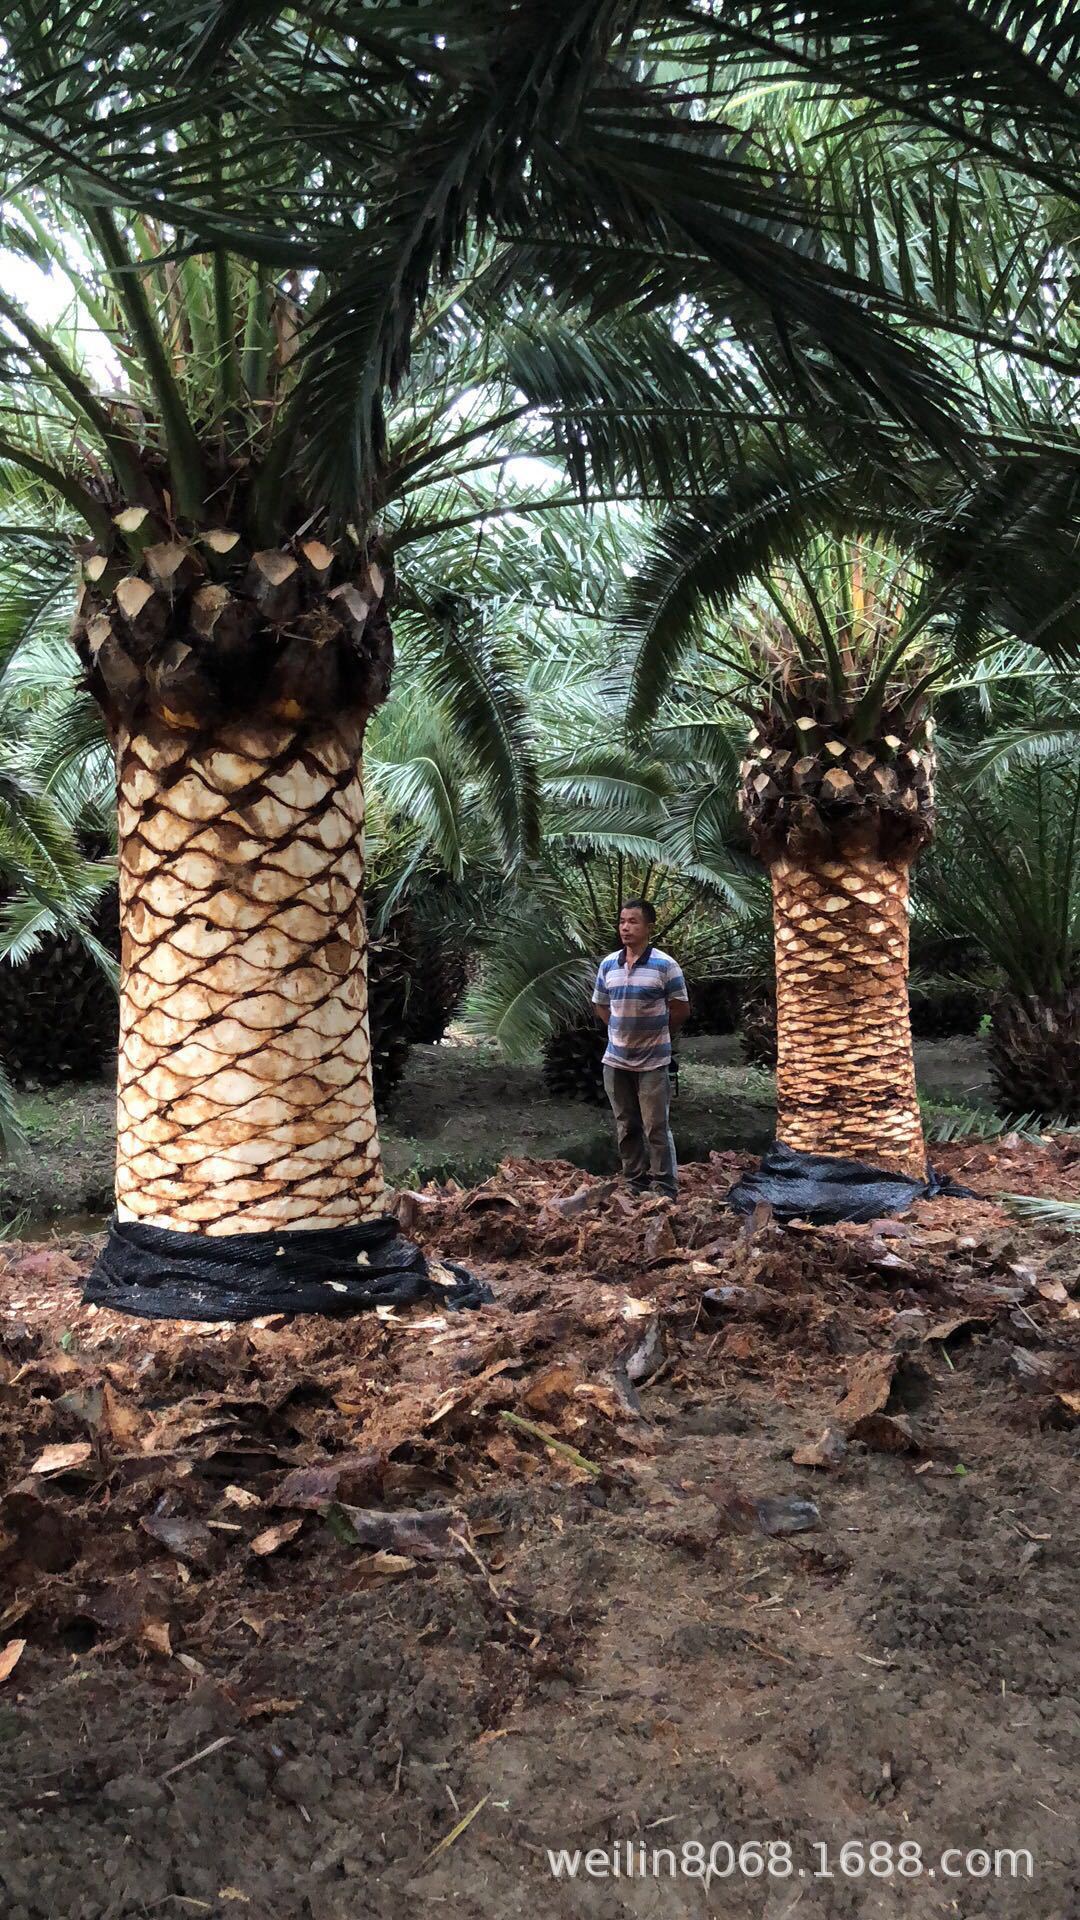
236	645
837	790
833	647
237	680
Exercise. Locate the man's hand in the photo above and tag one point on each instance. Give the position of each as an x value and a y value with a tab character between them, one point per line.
603	1014
678	1014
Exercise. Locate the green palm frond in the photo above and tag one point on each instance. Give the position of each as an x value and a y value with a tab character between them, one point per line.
29	918
701	557
946	1124
1043	741
477	688
534	980
700	837
1045	1212
992	76
12	1131
1005	872
71	749
35	841
421	790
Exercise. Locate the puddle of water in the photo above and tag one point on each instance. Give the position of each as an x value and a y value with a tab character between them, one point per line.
60	1226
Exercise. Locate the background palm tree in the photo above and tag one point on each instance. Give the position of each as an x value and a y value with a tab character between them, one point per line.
1006	875
54	917
834	654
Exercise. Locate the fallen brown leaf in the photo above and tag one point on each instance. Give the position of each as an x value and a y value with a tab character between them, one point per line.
83	1403
826	1451
9	1657
241	1497
426	1532
955	1322
886	1433
390	1564
484	1202
355	1476
59	1459
188	1539
551	1388
121	1421
869	1387
272	1538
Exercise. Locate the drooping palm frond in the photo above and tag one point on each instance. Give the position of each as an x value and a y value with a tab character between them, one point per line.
536	977
945	1124
1046	1212
702	556
534	148
997	555
700	837
27	920
476	686
1044	740
947	65
1005	872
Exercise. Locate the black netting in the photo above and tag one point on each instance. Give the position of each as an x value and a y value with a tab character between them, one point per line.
335	1270
811	1186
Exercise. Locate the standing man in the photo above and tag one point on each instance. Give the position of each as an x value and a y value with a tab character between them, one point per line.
640	996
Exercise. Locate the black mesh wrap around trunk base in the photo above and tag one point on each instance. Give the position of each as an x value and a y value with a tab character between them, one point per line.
335	1270
812	1186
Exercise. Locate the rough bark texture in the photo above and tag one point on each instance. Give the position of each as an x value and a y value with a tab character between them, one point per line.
1035	1054
245	1098
845	1075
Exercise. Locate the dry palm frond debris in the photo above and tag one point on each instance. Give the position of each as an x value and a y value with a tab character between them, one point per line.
164	1483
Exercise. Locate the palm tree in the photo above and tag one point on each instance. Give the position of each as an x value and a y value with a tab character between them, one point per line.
236	656
51	892
837	793
833	653
1007	876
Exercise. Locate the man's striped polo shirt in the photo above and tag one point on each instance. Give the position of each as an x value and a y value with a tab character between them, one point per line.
638	993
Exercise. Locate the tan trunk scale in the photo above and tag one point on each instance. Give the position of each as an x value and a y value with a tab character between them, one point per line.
845	1076
244	1100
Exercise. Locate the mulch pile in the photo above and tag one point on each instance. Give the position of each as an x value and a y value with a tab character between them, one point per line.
167	1487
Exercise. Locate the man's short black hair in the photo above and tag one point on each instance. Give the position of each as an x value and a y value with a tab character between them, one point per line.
643	906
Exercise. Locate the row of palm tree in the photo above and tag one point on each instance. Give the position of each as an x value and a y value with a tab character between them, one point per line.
997	891
343	263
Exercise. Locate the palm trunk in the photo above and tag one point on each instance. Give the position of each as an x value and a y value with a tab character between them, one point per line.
1034	1053
845	1071
245	1099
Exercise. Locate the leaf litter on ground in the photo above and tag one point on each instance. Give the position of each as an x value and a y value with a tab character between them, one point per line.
145	1469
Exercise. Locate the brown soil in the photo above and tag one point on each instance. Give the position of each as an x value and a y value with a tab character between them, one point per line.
298	1598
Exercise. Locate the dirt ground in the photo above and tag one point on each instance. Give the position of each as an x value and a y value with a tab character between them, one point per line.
302	1623
459	1111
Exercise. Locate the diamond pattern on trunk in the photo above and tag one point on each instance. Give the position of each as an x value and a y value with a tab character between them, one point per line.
244	1101
845	1078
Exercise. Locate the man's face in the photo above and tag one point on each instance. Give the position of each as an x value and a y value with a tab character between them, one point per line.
633	928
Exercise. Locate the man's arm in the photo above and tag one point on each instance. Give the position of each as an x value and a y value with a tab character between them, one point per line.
678	1001
601	999
678	1013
